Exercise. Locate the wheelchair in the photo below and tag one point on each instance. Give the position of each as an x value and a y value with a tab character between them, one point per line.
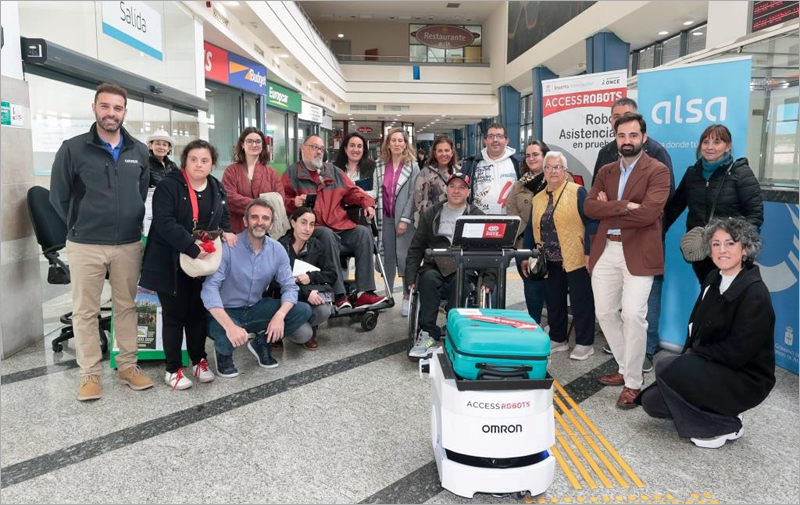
366	316
473	300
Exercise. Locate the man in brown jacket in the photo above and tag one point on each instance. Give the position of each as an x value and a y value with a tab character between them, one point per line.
628	199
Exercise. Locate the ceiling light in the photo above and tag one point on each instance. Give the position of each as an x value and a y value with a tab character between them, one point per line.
663	32
313	82
697	33
341	35
687	23
283	55
232	4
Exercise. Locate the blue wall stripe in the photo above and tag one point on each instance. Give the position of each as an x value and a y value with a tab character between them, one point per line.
127	39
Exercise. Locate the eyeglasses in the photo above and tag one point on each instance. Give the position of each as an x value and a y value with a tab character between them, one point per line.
253	142
554	168
316	149
495	137
533	155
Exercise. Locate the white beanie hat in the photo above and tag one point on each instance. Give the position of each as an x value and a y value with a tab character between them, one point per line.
161	135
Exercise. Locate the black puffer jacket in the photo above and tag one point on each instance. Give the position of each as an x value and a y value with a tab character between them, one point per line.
738	189
159	171
170	233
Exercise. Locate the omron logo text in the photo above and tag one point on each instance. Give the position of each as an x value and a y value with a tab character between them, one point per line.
502	428
666	112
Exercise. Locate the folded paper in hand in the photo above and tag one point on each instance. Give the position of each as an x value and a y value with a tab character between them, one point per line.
301	267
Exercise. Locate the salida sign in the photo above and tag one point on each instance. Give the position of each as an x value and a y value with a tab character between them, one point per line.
445	36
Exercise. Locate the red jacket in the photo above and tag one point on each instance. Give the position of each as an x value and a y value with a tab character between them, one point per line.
648	185
334	190
241	191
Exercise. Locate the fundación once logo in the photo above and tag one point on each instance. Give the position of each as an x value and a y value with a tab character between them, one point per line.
666	112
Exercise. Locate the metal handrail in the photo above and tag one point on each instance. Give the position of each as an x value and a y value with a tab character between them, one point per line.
349	58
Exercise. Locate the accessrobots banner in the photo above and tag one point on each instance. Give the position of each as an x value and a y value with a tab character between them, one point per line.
576	116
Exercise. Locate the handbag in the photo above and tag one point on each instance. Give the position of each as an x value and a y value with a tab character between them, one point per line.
537	264
200	267
693	247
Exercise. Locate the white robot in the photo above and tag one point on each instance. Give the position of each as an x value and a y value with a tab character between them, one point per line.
491	436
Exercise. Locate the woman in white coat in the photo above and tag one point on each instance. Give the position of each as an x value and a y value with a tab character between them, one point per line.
395	173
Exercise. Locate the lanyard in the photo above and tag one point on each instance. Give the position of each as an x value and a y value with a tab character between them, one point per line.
193	199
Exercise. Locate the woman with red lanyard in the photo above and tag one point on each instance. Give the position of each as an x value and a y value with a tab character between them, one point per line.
395	173
185	201
249	175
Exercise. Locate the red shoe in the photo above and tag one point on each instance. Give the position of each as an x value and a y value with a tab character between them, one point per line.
627	399
342	304
311	345
368	299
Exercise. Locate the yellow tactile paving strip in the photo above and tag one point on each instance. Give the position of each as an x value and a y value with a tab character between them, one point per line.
694	498
583	453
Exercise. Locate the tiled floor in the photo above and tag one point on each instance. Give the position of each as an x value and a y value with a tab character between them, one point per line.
348	423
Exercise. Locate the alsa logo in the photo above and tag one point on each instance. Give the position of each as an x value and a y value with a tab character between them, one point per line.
666	112
278	96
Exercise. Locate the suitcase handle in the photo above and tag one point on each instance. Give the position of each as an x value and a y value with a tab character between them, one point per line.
505	372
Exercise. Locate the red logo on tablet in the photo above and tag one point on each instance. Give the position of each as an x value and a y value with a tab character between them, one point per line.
494	230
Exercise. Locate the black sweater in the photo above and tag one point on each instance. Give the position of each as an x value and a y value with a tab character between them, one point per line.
170	232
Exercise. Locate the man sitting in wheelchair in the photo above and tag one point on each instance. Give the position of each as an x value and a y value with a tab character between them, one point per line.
323	187
435	278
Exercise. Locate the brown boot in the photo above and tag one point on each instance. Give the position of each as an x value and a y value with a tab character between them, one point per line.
90	388
135	378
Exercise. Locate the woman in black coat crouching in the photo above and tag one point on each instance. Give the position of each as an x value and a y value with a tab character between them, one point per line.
170	235
728	363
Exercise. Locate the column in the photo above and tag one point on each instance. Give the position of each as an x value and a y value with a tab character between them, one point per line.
509	113
604	52
539	74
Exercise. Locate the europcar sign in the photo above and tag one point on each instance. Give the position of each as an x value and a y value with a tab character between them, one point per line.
445	36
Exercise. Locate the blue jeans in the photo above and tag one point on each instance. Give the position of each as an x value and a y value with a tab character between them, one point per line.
534	295
653	313
256	318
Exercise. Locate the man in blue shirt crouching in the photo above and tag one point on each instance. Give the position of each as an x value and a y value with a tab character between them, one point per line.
233	295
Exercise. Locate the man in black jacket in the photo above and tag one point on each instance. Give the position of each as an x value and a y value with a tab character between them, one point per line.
98	187
608	154
436	277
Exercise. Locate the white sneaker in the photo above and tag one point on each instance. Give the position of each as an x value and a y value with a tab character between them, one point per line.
404	308
558	346
202	372
423	346
581	352
717	442
177	380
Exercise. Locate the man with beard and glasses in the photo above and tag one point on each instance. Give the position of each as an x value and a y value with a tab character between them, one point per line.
98	187
628	199
234	294
332	188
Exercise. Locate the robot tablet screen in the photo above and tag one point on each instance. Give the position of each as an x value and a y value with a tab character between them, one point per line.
486	232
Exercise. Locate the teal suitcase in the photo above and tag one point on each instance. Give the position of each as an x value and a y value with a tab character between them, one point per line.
496	344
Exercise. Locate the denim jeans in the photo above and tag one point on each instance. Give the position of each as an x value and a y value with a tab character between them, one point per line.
653	313
256	318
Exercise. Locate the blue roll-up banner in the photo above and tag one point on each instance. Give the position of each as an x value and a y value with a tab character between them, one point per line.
779	269
678	103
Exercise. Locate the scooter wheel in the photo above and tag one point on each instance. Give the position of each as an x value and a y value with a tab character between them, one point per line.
369	321
58	347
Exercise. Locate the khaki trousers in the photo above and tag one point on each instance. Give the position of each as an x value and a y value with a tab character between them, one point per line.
616	288
88	264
